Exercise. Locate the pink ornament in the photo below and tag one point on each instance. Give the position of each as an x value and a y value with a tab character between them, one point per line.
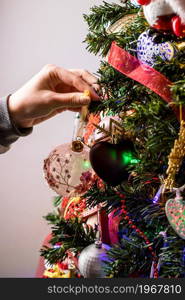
64	167
175	212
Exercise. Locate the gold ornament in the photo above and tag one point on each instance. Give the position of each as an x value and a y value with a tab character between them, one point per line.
180	46
122	24
77	146
175	158
115	131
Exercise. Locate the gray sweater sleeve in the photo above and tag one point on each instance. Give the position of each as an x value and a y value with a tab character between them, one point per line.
9	133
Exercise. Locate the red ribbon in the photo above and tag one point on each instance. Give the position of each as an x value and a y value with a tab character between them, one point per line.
113	224
133	68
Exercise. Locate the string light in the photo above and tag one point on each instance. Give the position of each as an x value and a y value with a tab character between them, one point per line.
158	194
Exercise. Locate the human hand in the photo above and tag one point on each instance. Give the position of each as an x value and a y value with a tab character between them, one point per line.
50	92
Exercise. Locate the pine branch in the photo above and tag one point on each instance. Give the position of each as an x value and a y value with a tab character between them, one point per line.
104	15
98	39
71	234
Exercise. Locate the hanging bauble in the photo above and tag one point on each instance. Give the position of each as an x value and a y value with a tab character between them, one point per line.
92	259
108	126
148	50
63	168
175	212
110	161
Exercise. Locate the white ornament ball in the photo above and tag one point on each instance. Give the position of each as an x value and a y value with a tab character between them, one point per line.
64	167
91	261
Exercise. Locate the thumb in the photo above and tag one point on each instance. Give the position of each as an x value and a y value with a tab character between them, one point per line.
70	99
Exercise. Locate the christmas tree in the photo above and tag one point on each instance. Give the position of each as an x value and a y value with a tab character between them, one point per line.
120	183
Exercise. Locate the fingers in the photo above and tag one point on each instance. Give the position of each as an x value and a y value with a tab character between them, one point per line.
81	85
87	76
80	80
69	100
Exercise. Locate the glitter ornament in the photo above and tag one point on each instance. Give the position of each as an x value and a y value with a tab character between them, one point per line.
148	50
175	158
91	260
175	212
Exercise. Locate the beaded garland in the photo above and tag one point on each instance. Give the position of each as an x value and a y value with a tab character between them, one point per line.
140	233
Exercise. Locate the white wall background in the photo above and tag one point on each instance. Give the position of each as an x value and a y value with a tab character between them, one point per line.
32	34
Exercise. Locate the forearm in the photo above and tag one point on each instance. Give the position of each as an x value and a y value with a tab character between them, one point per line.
9	133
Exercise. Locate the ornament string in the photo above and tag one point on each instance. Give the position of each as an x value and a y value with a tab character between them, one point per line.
80	118
178	191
